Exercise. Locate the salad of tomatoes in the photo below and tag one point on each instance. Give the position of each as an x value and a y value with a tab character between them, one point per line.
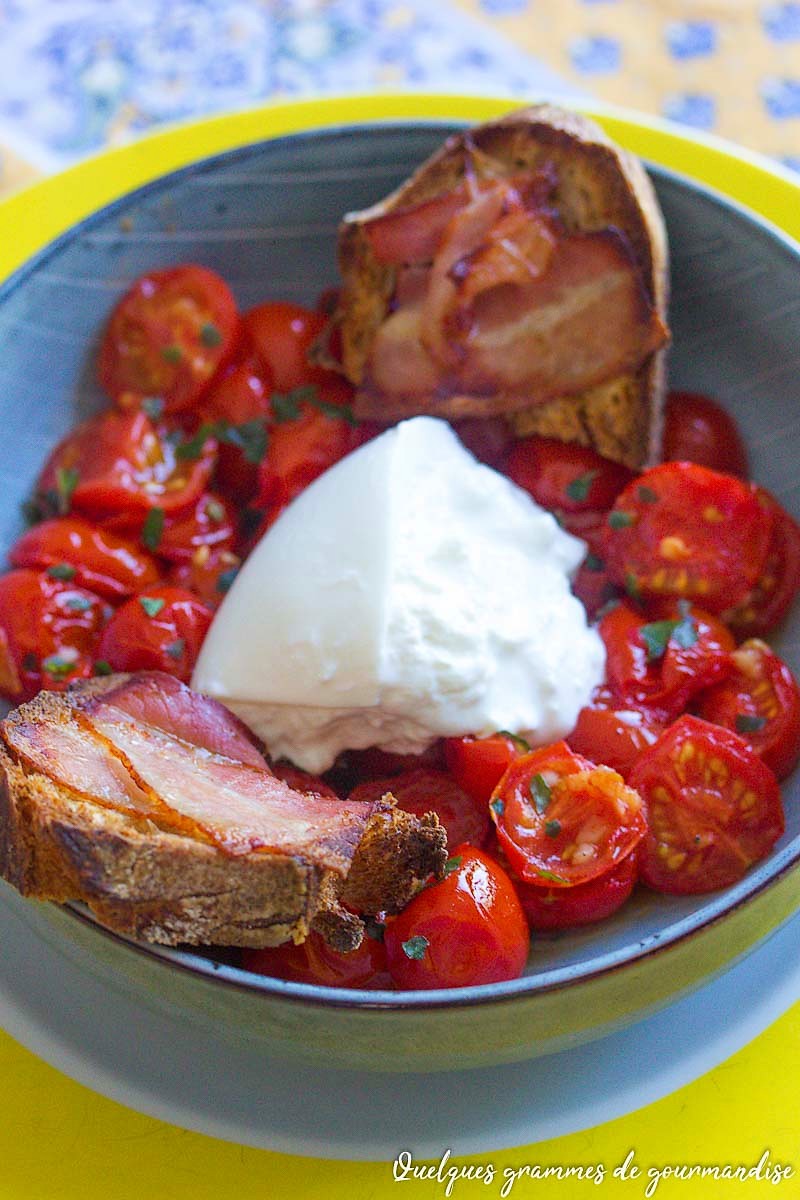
216	419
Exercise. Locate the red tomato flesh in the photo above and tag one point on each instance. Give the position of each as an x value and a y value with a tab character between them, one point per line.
72	549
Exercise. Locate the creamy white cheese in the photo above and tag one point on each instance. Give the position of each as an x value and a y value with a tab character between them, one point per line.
409	593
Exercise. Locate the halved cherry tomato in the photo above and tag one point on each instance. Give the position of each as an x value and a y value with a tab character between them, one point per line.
478	764
697	429
561	820
73	550
550	908
658	665
162	629
50	633
302	781
467	929
764	608
421	791
282	334
117	466
314	961
713	808
684	531
208	573
239	395
761	702
167	337
609	733
210	522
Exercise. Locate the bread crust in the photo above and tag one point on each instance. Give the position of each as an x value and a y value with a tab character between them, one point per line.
164	887
599	186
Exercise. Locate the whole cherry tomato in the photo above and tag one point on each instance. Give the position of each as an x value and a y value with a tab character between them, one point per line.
683	531
550	908
761	702
49	632
282	335
713	808
607	732
423	790
561	820
765	606
658	665
302	781
467	929
211	522
117	466
594	586
73	550
314	961
209	573
239	396
478	764
697	429
161	629
167	337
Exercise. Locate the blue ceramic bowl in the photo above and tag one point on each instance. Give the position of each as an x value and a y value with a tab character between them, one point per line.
265	217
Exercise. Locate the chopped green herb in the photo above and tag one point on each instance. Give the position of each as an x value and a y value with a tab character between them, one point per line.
552	828
646	494
374	929
452	864
415	947
30	662
658	634
152	605
67	479
175	649
632	586
287	406
578	489
551	876
193	447
593	563
518	741
497	806
153	406
153	528
540	793
749	723
172	354
225	579
61	571
618	518
215	510
250	437
78	603
33	510
57	667
101	667
210	335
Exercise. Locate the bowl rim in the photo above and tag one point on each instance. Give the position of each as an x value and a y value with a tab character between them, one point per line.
765	876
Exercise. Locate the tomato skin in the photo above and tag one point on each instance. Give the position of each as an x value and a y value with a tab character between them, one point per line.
593	585
209	574
314	961
302	781
46	621
423	790
609	733
241	393
282	334
698	430
589	822
564	477
210	522
123	469
773	594
761	688
473	924
687	532
713	808
549	909
478	764
167	337
111	566
664	686
169	640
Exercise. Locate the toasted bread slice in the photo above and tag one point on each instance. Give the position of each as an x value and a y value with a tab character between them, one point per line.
152	873
598	187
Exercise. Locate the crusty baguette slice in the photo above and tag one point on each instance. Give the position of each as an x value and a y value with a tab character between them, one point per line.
599	187
165	885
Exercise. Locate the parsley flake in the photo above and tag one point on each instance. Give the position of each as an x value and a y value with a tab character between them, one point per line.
619	518
172	354
415	947
287	406
593	563
78	603
101	667
67	479
374	929
452	864
153	406
519	742
61	571
646	494
578	488
497	806
225	579
540	793
658	634
152	605
209	335
58	667
552	828
153	528
749	723
175	649
551	876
